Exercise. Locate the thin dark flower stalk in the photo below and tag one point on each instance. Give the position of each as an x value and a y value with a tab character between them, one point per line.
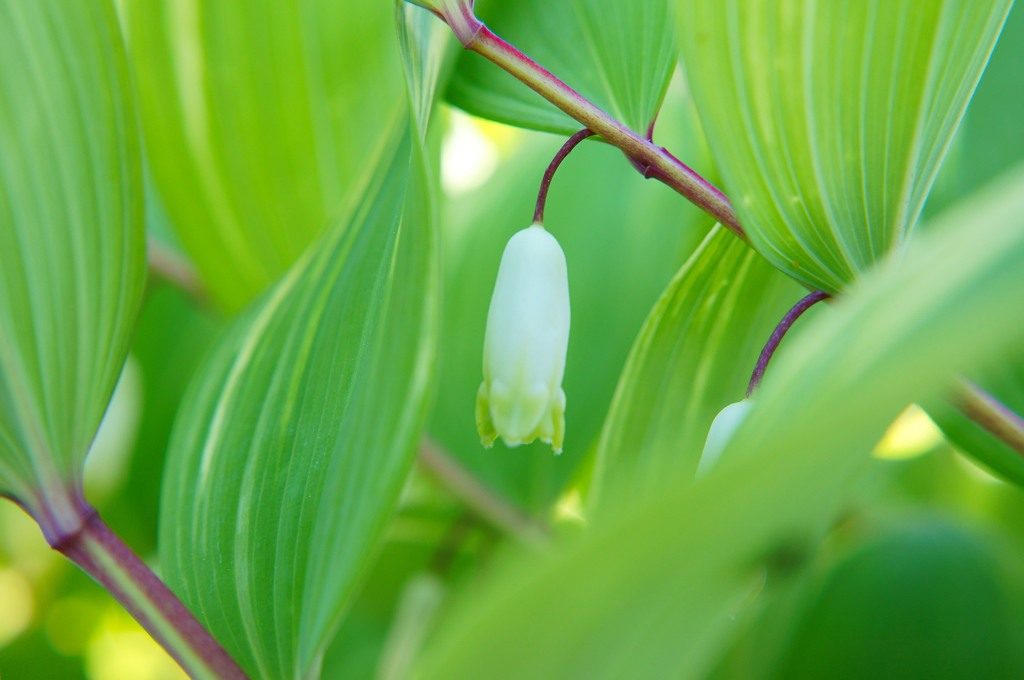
99	552
991	414
648	158
545	182
780	331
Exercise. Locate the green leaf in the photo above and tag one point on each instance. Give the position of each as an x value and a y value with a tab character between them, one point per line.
259	119
289	454
623	239
620	55
71	237
693	357
680	564
829	120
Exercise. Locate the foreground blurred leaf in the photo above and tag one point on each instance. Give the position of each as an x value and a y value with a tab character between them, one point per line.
829	120
620	55
289	454
653	592
71	237
259	119
693	357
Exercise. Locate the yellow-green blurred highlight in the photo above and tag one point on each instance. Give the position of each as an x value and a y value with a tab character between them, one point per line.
912	434
41	597
16	594
472	149
569	508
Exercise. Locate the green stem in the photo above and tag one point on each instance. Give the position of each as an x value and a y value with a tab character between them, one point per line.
648	158
99	552
476	495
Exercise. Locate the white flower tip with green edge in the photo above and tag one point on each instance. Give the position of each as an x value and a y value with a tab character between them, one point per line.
723	427
521	397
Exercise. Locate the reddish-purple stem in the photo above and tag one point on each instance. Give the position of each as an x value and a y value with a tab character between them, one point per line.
648	158
545	182
777	335
93	546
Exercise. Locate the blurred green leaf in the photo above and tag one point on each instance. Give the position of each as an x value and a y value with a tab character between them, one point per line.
623	240
693	357
620	55
923	601
289	454
679	565
829	120
71	237
259	120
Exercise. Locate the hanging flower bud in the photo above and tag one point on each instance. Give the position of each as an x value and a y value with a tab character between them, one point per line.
723	427
521	398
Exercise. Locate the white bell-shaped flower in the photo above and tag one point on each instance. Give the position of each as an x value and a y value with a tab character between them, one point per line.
521	398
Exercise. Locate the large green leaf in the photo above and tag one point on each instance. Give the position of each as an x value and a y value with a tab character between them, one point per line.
288	457
829	120
258	120
623	239
620	55
71	237
655	591
693	357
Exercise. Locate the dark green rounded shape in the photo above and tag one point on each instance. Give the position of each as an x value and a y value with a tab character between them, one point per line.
927	601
